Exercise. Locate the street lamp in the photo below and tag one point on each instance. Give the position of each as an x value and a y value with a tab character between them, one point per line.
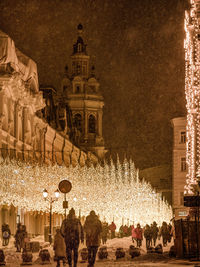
51	200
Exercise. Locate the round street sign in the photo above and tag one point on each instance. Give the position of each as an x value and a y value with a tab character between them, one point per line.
65	186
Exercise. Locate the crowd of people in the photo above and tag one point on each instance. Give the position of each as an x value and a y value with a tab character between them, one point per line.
93	232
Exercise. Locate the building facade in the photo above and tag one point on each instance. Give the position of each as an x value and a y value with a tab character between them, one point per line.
179	167
31	127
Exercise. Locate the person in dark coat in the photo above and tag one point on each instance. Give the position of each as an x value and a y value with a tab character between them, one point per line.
93	229
164	233
148	235
155	230
72	231
59	248
19	235
5	234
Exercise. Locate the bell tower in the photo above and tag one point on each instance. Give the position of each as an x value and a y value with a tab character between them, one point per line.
81	91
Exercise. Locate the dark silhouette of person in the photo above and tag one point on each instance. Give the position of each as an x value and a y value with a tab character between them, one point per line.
72	231
93	229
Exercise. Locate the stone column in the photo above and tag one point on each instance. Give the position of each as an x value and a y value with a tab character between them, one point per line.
100	114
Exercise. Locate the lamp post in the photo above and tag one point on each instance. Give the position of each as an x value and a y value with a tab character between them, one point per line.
51	200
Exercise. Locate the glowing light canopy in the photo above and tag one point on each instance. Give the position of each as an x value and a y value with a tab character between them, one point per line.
113	191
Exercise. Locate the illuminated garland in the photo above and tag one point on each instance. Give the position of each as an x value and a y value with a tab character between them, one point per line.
112	191
192	92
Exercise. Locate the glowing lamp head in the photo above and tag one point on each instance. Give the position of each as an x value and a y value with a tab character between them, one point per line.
57	193
45	193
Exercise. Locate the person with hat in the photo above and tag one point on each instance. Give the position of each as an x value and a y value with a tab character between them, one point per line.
93	229
72	231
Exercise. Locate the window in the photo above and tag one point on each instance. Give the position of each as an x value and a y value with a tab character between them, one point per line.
92	124
78	89
181	198
84	68
183	164
183	137
79	47
78	68
78	122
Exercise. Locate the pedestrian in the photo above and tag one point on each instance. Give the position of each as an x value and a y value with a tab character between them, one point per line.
112	228
169	232
164	233
148	235
24	237
59	248
125	230
121	232
5	234
139	235
155	230
105	231
133	233
93	229
72	231
19	237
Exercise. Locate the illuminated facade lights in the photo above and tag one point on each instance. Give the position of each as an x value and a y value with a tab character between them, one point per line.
192	92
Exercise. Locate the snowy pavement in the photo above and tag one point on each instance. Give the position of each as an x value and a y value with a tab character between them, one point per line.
14	259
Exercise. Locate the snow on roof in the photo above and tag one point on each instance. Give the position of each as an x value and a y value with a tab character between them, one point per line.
21	64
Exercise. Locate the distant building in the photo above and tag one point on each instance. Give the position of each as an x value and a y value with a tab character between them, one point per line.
160	178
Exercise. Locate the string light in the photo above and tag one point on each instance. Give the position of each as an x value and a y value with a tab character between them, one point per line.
113	191
192	92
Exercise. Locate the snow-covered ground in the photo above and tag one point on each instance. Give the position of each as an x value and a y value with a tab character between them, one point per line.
14	259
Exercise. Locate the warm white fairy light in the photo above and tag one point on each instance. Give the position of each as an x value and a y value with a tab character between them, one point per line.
192	91
112	191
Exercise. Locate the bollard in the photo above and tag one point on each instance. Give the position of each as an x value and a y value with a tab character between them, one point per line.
44	256
2	258
27	257
119	253
103	253
133	251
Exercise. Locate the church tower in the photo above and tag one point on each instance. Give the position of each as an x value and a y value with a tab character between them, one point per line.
81	93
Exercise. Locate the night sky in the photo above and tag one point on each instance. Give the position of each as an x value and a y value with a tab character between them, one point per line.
137	48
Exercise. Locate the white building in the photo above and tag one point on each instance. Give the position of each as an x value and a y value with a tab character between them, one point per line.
179	169
25	133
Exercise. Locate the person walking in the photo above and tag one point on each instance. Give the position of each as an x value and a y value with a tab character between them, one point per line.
155	230
93	229
5	234
72	231
112	228
148	236
133	233
59	248
139	235
19	237
164	233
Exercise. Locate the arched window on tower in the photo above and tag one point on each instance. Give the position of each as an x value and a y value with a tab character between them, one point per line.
92	124
79	47
78	89
78	122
